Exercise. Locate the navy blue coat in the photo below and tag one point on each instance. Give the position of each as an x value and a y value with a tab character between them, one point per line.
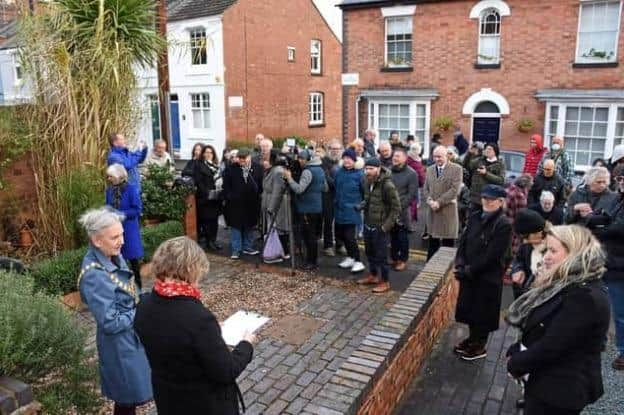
348	195
131	206
107	288
130	160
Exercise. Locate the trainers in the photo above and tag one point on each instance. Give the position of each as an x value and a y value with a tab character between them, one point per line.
618	363
286	257
251	251
400	266
357	267
462	347
235	255
329	251
273	260
341	251
382	287
369	279
474	352
347	263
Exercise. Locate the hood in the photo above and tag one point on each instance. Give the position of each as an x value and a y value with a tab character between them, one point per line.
539	141
618	153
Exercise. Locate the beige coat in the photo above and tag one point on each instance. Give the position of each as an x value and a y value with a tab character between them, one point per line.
443	223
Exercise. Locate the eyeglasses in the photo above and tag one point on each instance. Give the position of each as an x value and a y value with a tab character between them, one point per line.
619	179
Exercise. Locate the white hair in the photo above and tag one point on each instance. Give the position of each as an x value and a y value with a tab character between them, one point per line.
385	143
546	194
95	220
595	173
117	171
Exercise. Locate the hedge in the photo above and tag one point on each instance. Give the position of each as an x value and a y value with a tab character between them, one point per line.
58	275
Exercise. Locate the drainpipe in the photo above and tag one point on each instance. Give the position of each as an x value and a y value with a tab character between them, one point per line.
357	115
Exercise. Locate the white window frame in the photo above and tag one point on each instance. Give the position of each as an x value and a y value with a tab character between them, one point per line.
205	112
481	60
192	33
316	64
398	65
373	116
312	120
582	59
291	54
561	119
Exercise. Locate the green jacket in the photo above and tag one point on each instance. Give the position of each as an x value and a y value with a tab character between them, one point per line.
495	175
382	201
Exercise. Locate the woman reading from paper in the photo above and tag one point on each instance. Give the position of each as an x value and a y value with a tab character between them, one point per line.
193	371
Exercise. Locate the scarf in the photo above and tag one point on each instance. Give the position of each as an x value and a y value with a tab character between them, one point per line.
176	289
246	170
520	309
117	192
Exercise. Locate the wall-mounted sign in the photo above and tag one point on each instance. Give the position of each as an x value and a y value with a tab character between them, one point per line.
350	79
235	102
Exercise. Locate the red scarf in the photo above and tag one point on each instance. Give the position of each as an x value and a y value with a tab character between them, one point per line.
176	289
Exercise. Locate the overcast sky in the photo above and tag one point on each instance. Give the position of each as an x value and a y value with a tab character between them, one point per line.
332	14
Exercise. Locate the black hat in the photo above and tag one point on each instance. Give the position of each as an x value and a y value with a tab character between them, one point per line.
492	191
350	153
372	161
528	221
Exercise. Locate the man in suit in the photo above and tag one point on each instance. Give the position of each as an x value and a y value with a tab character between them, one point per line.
442	185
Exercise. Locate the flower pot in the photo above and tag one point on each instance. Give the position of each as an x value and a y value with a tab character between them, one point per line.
73	301
25	238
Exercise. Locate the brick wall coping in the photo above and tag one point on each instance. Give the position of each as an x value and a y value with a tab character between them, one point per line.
347	390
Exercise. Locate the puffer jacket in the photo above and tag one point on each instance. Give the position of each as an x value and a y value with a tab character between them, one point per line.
382	204
495	175
348	196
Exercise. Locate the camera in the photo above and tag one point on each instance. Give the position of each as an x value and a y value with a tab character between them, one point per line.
598	220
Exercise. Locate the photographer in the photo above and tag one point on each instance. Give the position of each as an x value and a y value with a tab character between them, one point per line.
485	170
308	202
588	205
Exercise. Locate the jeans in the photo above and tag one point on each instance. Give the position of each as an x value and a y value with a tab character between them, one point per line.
376	245
616	294
435	243
346	235
399	243
309	224
241	239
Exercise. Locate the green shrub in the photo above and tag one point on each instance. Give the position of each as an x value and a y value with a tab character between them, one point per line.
59	274
161	200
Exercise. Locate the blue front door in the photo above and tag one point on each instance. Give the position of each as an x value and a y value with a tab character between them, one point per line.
486	129
175	122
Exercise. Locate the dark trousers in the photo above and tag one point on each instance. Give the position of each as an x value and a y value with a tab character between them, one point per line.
435	243
208	229
135	267
345	235
376	246
328	220
533	406
309	223
478	335
124	410
399	243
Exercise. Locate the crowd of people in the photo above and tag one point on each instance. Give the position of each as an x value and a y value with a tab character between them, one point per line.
559	244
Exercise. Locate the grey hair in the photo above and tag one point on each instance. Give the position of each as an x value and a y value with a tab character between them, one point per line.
594	173
385	143
95	220
546	194
117	171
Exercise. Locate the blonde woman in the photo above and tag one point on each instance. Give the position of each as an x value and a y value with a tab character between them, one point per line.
564	321
193	371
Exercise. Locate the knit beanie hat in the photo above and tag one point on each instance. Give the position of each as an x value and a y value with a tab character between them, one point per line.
528	221
350	153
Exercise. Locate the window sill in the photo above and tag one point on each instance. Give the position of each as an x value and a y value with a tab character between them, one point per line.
487	65
397	69
316	73
595	64
321	125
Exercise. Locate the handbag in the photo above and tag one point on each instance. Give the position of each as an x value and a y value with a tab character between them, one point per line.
273	246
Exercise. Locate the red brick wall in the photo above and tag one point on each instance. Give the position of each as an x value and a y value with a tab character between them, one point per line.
387	392
538	46
275	91
19	194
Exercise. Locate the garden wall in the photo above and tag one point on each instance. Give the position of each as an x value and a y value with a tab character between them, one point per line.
375	376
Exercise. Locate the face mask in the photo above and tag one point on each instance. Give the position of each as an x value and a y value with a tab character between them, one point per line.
556	147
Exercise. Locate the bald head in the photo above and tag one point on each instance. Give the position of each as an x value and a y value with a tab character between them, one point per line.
549	168
440	155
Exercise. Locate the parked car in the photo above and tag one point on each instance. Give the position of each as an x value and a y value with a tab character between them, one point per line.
514	164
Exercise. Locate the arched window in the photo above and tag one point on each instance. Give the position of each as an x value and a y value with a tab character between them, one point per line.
489	37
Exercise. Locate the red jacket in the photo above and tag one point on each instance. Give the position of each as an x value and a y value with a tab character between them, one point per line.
534	155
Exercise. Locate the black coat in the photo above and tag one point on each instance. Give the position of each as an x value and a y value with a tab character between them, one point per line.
482	253
564	337
555	216
612	237
242	199
555	185
193	371
204	178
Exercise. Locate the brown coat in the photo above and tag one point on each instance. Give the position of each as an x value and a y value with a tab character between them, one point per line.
443	223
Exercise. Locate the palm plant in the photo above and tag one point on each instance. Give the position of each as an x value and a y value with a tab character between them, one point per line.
82	72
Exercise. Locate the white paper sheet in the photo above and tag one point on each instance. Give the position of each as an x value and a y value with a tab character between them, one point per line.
238	323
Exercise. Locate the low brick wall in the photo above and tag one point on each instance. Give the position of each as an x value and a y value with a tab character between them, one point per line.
375	376
16	398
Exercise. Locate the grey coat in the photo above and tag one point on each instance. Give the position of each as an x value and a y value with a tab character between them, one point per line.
599	202
405	180
274	186
443	223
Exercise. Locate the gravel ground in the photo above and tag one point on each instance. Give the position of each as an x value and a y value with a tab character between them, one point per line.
612	402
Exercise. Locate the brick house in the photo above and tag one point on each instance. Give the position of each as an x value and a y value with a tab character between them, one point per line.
242	67
488	65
